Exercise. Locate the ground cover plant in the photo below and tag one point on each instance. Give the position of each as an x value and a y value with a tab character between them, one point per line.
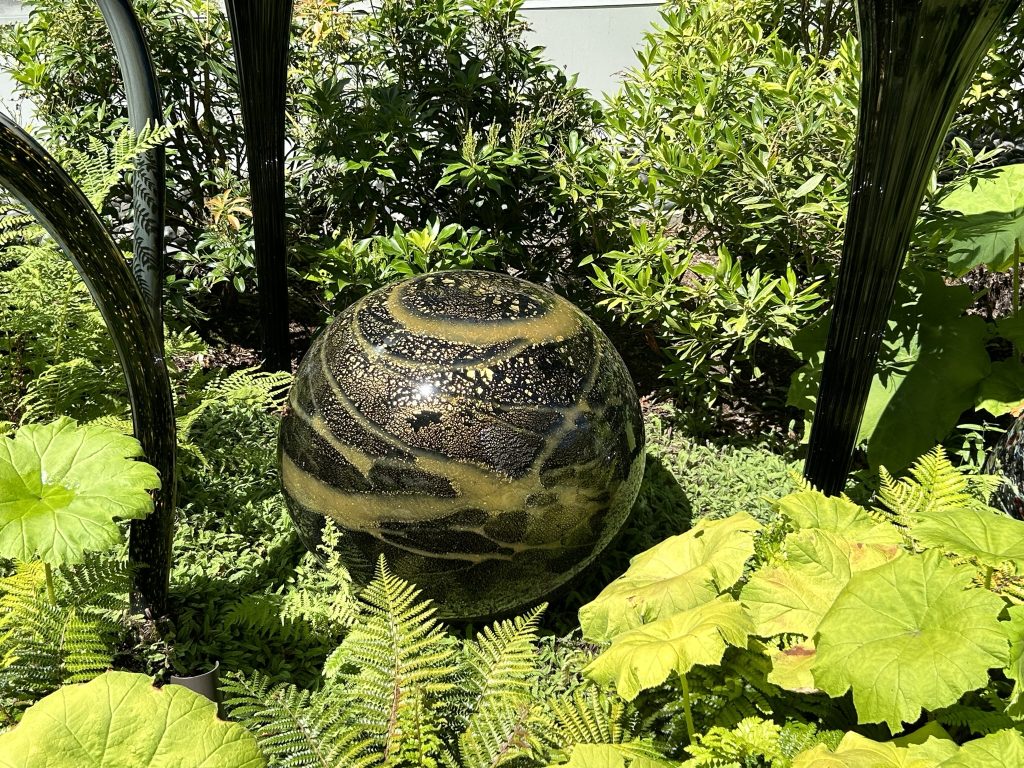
739	618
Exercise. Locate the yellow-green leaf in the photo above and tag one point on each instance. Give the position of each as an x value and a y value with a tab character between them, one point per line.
791	598
644	657
990	537
678	574
907	635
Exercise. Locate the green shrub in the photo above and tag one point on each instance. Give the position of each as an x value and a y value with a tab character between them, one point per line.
732	149
411	115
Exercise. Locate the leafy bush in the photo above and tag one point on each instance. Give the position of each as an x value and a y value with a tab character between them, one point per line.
439	111
381	138
846	598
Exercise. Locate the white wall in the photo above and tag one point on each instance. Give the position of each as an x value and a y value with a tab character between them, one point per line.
594	38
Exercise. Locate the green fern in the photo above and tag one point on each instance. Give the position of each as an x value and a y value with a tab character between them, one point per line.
296	728
397	653
71	637
250	388
101	165
501	666
934	486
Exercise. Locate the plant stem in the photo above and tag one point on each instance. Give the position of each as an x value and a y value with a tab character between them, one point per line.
687	711
49	583
988	577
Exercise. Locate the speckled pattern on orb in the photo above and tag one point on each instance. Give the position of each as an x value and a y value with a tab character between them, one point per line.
1007	460
477	430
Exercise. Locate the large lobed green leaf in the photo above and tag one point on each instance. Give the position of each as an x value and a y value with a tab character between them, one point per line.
644	657
907	635
987	220
63	486
991	538
793	597
119	720
680	573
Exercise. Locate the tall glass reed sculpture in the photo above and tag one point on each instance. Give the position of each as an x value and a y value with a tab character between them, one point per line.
260	32
148	182
53	198
918	57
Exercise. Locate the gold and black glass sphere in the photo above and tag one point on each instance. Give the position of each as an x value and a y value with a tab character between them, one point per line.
479	431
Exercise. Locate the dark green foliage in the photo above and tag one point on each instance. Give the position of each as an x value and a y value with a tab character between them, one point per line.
440	112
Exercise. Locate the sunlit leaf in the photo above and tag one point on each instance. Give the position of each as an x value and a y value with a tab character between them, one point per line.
997	750
907	635
120	719
678	574
989	218
991	538
644	657
856	751
64	486
791	668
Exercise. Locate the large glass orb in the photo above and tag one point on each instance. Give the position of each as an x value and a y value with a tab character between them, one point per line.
477	430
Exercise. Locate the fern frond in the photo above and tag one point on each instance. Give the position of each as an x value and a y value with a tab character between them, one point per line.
397	652
295	728
934	487
99	585
589	716
76	388
978	721
502	660
248	387
45	643
501	666
17	227
99	168
500	731
85	648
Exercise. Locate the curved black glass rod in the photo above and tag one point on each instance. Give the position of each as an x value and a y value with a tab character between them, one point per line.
148	184
260	32
53	198
918	57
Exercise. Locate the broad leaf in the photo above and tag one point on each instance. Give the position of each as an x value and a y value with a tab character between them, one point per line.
678	574
644	657
633	755
997	750
793	597
908	635
991	538
811	509
791	668
120	719
63	486
856	751
988	218
1002	391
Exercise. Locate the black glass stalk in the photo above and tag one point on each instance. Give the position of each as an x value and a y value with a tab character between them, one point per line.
918	57
260	33
148	183
52	197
